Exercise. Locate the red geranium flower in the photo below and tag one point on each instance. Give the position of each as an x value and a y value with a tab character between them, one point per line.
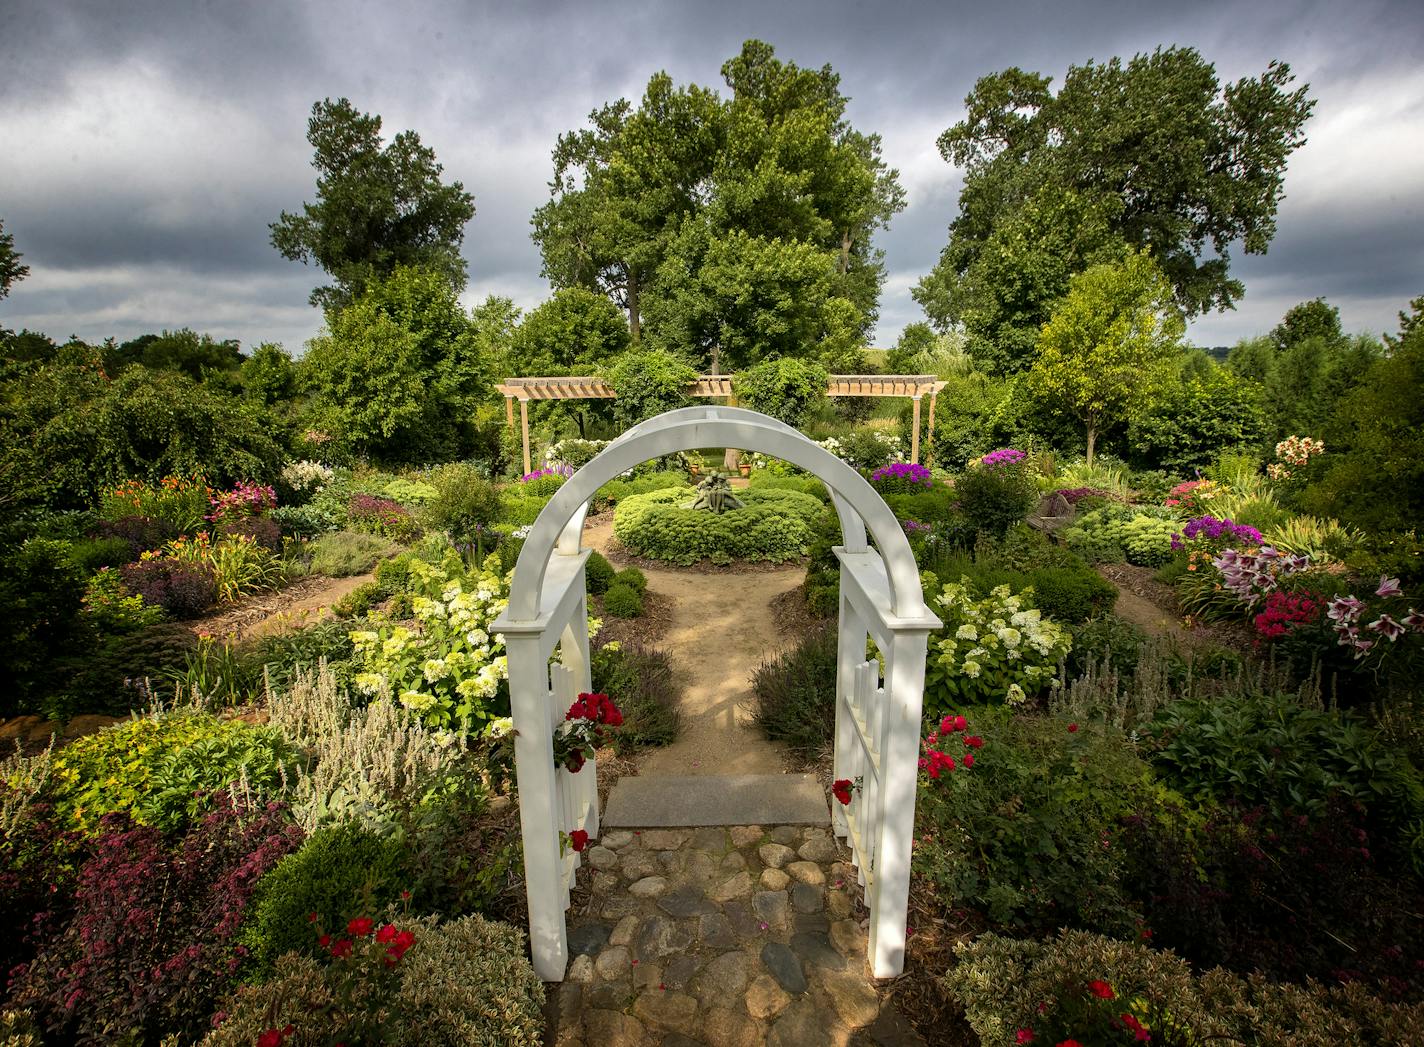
342	948
1072	728
578	839
386	934
274	1037
974	742
1023	1036
842	790
968	759
361	926
324	940
403	941
1101	989
1069	1043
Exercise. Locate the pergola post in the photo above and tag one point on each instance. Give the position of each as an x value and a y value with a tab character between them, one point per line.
915	431
524	425
509	411
929	438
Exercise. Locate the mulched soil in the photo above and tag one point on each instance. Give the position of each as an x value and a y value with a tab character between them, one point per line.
647	631
1142	582
238	619
793	617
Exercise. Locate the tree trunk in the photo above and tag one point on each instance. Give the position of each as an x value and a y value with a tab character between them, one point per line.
845	252
1092	439
635	326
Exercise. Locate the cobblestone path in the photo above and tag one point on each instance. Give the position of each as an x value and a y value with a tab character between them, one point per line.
719	937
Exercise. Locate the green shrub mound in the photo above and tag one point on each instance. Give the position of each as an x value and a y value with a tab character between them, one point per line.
1141	534
1008	984
340	872
598	573
772	525
623	601
465	982
766	480
161	770
632	578
518	511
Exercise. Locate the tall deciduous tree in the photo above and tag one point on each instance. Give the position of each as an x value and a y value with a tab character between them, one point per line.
378	207
399	371
1112	342
1154	153
643	196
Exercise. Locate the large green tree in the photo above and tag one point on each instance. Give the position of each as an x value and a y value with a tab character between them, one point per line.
378	207
399	371
643	197
1155	153
1112	343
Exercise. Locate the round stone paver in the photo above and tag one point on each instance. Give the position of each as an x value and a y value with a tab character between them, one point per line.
720	937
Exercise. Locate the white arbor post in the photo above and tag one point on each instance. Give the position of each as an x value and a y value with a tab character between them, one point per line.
877	724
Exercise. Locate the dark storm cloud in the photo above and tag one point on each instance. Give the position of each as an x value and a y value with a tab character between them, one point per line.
145	147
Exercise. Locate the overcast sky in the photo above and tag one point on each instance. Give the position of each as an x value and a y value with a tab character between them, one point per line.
145	146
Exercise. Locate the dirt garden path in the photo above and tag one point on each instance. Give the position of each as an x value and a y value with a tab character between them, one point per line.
722	627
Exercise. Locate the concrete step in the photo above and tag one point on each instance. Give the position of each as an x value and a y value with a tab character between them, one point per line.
717	799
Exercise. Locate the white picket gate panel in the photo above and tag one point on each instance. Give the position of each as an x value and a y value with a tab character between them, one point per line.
877	724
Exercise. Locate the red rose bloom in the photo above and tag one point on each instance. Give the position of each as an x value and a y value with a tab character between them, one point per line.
960	723
578	839
974	742
361	926
1102	990
968	759
842	790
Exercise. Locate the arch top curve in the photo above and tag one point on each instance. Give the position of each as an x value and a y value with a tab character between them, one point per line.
559	524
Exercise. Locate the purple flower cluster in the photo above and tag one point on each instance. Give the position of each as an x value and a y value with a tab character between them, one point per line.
1251	575
562	472
904	475
1003	456
1214	530
914	527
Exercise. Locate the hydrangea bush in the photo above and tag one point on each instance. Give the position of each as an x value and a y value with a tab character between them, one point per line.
449	669
998	649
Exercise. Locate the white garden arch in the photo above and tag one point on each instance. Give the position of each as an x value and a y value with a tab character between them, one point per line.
877	717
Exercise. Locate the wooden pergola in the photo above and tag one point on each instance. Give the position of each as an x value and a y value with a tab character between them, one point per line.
915	386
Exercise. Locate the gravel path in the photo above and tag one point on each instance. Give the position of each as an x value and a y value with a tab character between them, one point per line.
722	627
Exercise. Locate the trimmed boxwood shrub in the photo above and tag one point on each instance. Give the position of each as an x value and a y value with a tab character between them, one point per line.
598	573
340	872
633	578
622	601
772	525
766	480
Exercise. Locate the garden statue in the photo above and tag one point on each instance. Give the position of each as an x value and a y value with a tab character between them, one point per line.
714	495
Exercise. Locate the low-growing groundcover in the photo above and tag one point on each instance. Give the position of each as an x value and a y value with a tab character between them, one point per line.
773	525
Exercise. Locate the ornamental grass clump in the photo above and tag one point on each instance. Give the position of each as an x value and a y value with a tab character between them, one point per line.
996	650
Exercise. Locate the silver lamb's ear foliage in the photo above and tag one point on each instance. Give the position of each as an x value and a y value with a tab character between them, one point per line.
714	495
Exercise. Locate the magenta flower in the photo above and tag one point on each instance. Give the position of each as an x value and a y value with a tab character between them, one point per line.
1386	627
1388	587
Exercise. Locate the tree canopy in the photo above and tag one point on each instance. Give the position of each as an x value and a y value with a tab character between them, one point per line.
378	207
11	271
1154	153
399	371
648	205
1111	344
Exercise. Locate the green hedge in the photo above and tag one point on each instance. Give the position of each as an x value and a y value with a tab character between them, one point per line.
772	525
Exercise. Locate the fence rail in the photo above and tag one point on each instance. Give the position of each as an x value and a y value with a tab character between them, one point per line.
867	710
